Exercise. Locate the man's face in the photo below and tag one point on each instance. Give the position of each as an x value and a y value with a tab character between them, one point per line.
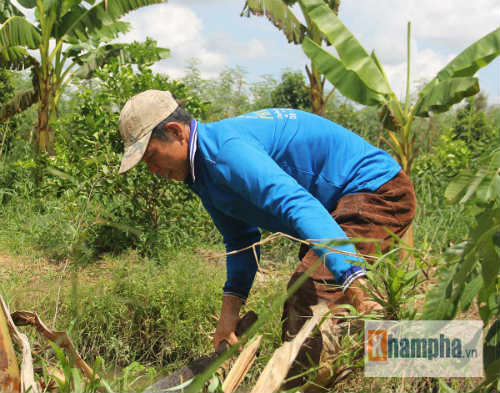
169	158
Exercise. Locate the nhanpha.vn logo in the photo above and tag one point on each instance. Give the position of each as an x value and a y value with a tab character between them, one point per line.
382	346
423	348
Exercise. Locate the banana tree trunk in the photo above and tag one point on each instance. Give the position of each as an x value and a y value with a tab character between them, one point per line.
10	380
408	235
4	136
316	91
44	132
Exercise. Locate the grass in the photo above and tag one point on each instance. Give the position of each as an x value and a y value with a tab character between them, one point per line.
136	318
140	319
128	308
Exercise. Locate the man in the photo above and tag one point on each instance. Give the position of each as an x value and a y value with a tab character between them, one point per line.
285	171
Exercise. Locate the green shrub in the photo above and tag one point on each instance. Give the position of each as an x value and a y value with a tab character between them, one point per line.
145	312
363	122
82	207
465	138
136	209
470	271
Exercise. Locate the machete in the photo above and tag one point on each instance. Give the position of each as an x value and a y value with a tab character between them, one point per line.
176	382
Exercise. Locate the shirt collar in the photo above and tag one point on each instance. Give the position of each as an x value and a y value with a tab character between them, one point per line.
193	144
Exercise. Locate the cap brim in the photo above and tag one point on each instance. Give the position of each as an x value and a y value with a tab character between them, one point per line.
134	153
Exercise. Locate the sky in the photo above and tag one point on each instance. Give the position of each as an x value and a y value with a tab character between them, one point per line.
213	32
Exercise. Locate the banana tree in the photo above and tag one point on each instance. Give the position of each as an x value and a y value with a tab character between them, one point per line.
280	14
361	77
68	36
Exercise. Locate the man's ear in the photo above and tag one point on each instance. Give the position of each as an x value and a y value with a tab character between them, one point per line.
174	129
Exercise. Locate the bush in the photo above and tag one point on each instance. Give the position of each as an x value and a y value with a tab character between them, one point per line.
136	209
466	136
81	207
364	122
145	312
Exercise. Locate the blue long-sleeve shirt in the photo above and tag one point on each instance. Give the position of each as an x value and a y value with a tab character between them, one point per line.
282	170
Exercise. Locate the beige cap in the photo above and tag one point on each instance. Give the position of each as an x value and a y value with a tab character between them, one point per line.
139	116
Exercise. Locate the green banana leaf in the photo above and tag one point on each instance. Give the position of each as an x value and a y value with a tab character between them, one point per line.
84	24
392	116
442	95
438	304
68	20
23	100
27	3
280	15
91	61
483	184
351	52
346	81
16	58
476	56
491	352
465	65
7	9
112	31
96	58
486	236
106	33
17	31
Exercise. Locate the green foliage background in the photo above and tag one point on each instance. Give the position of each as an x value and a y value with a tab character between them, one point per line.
159	308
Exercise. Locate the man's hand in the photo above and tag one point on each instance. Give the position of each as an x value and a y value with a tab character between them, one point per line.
359	299
228	320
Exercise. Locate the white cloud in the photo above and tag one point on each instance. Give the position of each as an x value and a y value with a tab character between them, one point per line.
440	30
178	28
456	23
210	60
424	66
450	25
237	49
255	49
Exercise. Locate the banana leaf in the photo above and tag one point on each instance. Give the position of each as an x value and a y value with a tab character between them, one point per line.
482	184
91	61
439	305
351	52
7	9
280	15
491	352
16	58
345	80
27	3
97	57
19	103
442	95
87	22
105	33
17	31
391	116
476	56
465	65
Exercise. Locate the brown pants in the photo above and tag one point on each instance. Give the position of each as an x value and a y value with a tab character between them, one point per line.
366	215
